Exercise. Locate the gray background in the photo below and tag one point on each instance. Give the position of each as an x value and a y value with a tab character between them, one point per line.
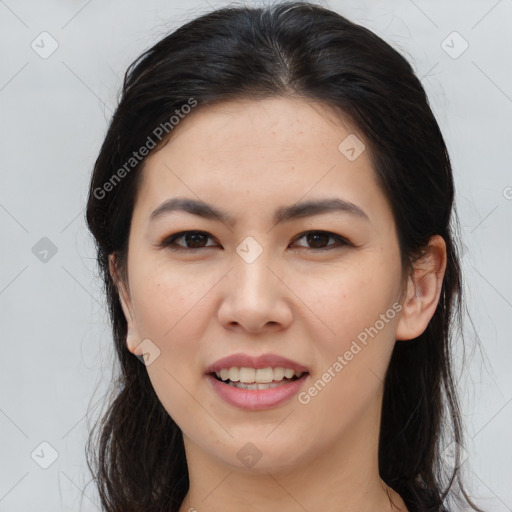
56	344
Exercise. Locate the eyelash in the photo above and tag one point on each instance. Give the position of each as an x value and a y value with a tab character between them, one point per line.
169	242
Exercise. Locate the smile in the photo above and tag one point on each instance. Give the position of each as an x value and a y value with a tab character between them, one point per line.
257	395
257	378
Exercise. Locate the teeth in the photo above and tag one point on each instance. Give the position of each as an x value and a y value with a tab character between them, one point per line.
234	374
279	373
248	375
241	385
262	376
289	373
256	376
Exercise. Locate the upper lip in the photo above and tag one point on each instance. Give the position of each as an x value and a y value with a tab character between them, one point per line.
262	361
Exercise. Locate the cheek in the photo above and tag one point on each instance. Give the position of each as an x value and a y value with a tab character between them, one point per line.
168	301
350	365
171	308
349	299
355	338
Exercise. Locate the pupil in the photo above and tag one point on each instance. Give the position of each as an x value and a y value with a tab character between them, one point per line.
316	235
194	235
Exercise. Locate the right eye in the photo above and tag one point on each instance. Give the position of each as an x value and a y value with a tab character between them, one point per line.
194	238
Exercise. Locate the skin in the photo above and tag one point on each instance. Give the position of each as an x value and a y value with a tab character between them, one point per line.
305	303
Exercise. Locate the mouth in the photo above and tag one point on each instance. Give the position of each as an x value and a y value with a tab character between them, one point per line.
257	379
256	382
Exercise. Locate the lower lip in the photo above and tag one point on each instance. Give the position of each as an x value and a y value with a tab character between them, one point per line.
256	399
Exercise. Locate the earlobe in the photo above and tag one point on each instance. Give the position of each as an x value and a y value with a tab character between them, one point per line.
132	337
423	291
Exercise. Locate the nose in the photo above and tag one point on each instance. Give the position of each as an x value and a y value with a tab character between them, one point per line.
255	297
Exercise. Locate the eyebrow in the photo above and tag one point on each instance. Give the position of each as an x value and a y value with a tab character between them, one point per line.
283	214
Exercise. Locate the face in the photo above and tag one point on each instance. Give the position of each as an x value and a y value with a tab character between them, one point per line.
318	286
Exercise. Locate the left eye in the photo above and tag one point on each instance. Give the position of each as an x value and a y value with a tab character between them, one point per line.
194	237
197	239
318	237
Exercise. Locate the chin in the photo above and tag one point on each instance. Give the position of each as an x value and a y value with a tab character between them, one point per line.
256	453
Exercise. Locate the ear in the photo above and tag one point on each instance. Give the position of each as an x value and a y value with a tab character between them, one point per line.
133	340
423	290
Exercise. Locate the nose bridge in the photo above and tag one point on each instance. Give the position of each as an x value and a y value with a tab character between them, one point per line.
253	298
252	275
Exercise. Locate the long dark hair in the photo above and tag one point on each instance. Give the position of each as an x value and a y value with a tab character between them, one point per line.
298	49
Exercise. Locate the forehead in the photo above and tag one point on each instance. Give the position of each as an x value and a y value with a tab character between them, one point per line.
270	150
283	127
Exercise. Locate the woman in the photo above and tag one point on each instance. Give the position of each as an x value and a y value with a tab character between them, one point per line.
272	207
